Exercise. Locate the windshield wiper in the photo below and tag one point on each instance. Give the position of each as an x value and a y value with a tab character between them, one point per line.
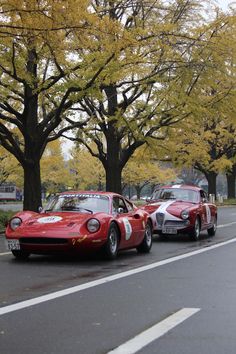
81	208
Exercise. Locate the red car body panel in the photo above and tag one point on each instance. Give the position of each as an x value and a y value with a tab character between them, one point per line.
49	232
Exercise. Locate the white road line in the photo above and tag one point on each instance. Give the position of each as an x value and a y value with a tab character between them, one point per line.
225	225
5	253
77	288
141	340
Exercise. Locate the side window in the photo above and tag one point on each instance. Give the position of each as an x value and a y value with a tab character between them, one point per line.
129	205
203	196
206	197
118	206
115	205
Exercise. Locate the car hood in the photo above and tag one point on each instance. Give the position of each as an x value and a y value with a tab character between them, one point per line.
174	207
55	220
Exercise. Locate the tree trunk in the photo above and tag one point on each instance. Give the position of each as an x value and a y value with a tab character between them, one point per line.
32	151
138	191
211	179
32	186
112	165
230	185
113	177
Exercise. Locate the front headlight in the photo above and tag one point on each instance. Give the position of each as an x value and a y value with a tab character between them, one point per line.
185	214
93	225
15	223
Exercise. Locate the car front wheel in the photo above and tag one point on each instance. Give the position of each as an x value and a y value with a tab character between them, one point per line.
196	230
146	244
212	230
111	246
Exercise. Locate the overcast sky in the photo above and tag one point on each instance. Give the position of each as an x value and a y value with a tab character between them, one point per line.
224	3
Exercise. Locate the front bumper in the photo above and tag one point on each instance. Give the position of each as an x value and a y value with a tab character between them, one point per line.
47	245
174	227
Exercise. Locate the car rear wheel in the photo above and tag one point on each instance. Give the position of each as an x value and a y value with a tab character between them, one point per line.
212	230
111	246
196	230
21	255
146	244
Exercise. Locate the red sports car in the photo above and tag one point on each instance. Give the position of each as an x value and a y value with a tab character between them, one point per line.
80	221
178	209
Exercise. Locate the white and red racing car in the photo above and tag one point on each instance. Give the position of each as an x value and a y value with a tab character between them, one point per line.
177	209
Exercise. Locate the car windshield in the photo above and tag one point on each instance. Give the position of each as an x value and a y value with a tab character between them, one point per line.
91	203
176	193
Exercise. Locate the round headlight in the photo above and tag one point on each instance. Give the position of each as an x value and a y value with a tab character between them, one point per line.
185	214
93	225
15	223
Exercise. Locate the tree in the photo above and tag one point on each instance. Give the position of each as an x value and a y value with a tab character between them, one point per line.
204	147
54	172
10	170
141	171
206	140
190	176
151	84
86	171
49	56
4	173
231	177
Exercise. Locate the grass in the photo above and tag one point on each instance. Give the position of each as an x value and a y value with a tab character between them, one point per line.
227	202
4	217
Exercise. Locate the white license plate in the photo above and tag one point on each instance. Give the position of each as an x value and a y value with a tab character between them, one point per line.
169	230
13	245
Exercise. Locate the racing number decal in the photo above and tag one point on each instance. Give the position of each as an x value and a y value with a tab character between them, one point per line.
49	219
208	214
128	229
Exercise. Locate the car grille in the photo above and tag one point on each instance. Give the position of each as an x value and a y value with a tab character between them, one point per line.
43	241
175	223
160	219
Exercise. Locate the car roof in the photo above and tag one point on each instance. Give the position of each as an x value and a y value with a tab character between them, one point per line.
181	186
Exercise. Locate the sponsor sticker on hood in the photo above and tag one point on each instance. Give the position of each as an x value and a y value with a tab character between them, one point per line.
49	219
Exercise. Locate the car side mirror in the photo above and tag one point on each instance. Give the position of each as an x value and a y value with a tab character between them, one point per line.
40	209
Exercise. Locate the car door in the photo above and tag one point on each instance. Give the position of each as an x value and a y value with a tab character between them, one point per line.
206	211
128	220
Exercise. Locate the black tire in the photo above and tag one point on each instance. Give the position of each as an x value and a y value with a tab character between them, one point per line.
20	255
146	244
195	234
212	230
111	247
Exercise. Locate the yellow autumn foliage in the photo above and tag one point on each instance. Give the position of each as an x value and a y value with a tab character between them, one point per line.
54	171
86	171
141	170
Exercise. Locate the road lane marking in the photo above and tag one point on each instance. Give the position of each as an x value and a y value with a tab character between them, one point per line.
81	287
5	253
225	225
140	341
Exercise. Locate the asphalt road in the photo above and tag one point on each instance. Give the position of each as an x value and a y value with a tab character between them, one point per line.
181	298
